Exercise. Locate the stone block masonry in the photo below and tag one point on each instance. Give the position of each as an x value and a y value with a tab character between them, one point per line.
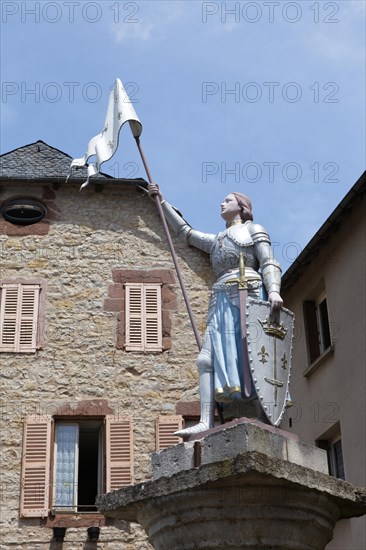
93	241
248	493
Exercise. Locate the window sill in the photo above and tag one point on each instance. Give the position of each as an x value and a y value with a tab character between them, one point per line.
19	352
318	361
144	351
77	519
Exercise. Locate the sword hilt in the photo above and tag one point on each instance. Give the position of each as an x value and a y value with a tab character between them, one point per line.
242	281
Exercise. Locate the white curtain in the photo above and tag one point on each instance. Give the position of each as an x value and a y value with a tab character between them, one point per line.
66	461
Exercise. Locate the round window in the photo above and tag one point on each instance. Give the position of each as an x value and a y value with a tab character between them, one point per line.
24	211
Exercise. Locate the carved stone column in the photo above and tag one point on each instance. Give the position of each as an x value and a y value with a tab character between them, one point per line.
244	485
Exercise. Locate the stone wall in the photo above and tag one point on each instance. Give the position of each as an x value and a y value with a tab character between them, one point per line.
91	236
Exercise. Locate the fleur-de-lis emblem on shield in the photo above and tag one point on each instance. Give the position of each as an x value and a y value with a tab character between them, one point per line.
263	355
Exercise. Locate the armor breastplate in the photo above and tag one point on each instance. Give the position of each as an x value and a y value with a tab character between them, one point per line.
228	245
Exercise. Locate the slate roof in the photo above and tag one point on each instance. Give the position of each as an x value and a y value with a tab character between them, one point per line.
36	160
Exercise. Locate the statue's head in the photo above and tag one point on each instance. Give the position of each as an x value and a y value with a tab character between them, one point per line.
236	206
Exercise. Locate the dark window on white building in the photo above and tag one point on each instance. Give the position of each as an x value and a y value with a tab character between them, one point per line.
317	326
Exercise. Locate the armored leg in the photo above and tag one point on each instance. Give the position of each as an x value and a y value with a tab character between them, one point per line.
206	387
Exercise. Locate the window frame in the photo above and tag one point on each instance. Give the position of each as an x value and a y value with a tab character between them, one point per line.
323	325
317	327
334	463
42	494
143	324
29	204
115	300
328	441
101	478
37	318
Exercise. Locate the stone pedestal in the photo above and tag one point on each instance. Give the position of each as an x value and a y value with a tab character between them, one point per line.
243	485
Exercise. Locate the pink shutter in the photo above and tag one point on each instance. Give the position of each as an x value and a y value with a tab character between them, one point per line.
119	452
153	328
8	317
19	317
35	481
28	322
134	317
165	428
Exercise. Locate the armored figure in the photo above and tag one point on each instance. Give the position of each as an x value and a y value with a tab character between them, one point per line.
221	376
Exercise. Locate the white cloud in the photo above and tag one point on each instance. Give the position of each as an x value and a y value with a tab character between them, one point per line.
337	49
134	31
342	42
354	7
151	21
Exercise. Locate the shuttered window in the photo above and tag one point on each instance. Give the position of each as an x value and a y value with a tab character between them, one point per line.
35	482
143	317
90	457
78	470
19	317
165	427
119	452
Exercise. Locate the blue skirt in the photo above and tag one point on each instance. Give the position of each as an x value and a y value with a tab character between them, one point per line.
225	341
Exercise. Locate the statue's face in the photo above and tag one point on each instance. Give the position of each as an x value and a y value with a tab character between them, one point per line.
230	210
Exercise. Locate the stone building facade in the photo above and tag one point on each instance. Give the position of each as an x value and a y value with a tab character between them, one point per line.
75	377
326	289
88	387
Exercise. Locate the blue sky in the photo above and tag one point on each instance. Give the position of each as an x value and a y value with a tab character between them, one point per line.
266	98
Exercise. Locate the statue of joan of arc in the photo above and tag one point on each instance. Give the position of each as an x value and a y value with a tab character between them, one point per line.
221	376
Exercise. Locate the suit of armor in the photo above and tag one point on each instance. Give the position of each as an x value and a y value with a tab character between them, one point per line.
220	359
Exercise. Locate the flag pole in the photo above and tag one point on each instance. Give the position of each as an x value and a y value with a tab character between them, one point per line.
170	245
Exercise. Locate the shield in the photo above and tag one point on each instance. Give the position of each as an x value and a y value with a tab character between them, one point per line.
269	340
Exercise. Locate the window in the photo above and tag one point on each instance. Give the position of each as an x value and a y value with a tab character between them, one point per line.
143	317
20	326
322	322
152	291
317	326
78	466
24	211
90	456
336	458
165	426
333	446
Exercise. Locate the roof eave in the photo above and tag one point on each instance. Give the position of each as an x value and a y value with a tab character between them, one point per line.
325	231
58	181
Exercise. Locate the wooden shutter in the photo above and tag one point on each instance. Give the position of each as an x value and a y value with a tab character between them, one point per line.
35	481
119	452
134	317
165	428
19	317
143	317
311	330
153	329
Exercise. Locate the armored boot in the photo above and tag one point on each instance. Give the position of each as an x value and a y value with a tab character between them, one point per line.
206	386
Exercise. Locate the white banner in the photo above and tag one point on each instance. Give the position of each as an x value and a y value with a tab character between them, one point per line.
105	144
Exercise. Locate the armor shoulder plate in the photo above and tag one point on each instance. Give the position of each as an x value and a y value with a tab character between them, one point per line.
240	234
258	233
